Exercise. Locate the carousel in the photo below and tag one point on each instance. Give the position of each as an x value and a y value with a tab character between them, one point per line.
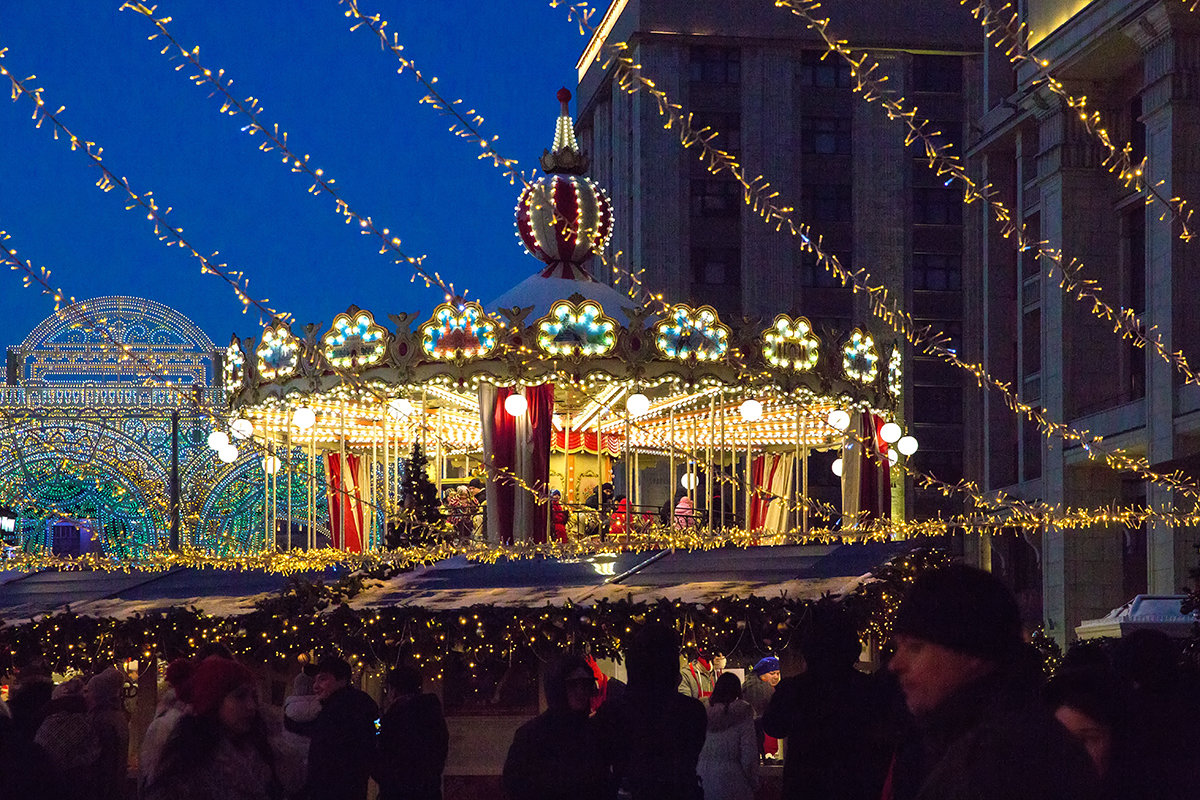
565	393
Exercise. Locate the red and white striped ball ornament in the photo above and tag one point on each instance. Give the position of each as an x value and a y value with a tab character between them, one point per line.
564	217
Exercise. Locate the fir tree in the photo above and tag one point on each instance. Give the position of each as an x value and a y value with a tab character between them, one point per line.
421	516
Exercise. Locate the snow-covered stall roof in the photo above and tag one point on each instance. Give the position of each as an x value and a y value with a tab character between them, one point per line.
1145	611
795	571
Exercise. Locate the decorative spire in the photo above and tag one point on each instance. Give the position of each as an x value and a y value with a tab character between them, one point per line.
566	157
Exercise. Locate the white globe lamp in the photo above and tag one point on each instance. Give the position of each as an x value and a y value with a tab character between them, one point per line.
893	456
637	404
837	467
228	454
217	440
516	405
751	410
838	419
907	445
890	432
688	480
400	407
241	428
270	465
304	418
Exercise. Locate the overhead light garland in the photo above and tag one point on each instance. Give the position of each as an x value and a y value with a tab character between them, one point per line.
145	201
760	196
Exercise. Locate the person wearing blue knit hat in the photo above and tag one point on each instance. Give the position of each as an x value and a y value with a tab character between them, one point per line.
757	690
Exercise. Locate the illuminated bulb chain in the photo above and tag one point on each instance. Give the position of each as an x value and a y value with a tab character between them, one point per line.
758	194
1125	321
275	139
165	231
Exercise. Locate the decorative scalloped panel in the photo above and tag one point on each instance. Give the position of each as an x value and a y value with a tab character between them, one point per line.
462	331
581	330
279	353
860	360
354	341
791	344
692	333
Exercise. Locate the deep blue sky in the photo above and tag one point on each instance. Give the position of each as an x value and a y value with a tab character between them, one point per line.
340	100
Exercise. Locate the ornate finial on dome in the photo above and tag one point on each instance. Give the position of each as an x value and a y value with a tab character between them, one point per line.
565	158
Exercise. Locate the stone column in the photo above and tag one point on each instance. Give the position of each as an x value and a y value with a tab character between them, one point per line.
1170	44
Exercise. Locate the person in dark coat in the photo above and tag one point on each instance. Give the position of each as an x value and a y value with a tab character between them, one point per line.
413	740
651	734
979	729
26	771
757	690
836	720
557	755
342	737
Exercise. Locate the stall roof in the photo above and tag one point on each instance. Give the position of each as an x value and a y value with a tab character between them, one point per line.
797	571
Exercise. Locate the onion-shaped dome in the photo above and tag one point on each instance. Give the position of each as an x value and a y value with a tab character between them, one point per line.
564	217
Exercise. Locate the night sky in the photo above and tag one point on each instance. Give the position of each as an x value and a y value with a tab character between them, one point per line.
340	100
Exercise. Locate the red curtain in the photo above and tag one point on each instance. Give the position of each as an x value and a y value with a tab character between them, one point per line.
501	495
585	441
541	412
345	499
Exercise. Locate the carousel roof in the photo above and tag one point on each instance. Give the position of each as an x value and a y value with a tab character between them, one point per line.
541	293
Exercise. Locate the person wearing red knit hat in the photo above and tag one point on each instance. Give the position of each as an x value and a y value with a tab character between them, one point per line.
220	748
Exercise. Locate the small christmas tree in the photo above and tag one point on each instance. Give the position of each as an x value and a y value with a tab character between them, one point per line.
421	516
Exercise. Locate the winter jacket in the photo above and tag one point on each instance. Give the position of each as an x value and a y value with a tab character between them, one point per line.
686	515
987	742
729	761
559	517
411	749
652	738
839	728
112	727
25	770
301	708
234	772
699	677
557	756
72	744
341	746
757	693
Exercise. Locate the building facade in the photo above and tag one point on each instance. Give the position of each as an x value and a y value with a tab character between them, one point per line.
1138	63
754	74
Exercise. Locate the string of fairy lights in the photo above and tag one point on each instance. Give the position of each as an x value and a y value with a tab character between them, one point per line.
759	195
754	189
870	85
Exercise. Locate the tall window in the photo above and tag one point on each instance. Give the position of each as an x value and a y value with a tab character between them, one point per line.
937	206
711	64
830	72
715	198
717	266
828	202
727	126
816	276
937	73
937	272
825	135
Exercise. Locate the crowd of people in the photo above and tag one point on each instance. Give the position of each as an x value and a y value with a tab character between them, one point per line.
213	739
960	709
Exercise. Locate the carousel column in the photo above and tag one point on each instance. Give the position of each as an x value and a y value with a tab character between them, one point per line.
749	476
671	482
341	487
369	544
387	474
312	489
721	483
797	479
708	458
629	493
288	478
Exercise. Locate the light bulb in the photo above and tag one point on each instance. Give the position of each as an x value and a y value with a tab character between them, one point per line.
637	404
270	465
241	428
837	467
304	418
751	410
228	454
688	480
893	456
217	440
838	419
890	432
400	407
907	445
516	405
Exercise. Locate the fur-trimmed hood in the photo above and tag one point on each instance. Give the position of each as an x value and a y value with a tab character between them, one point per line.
722	717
